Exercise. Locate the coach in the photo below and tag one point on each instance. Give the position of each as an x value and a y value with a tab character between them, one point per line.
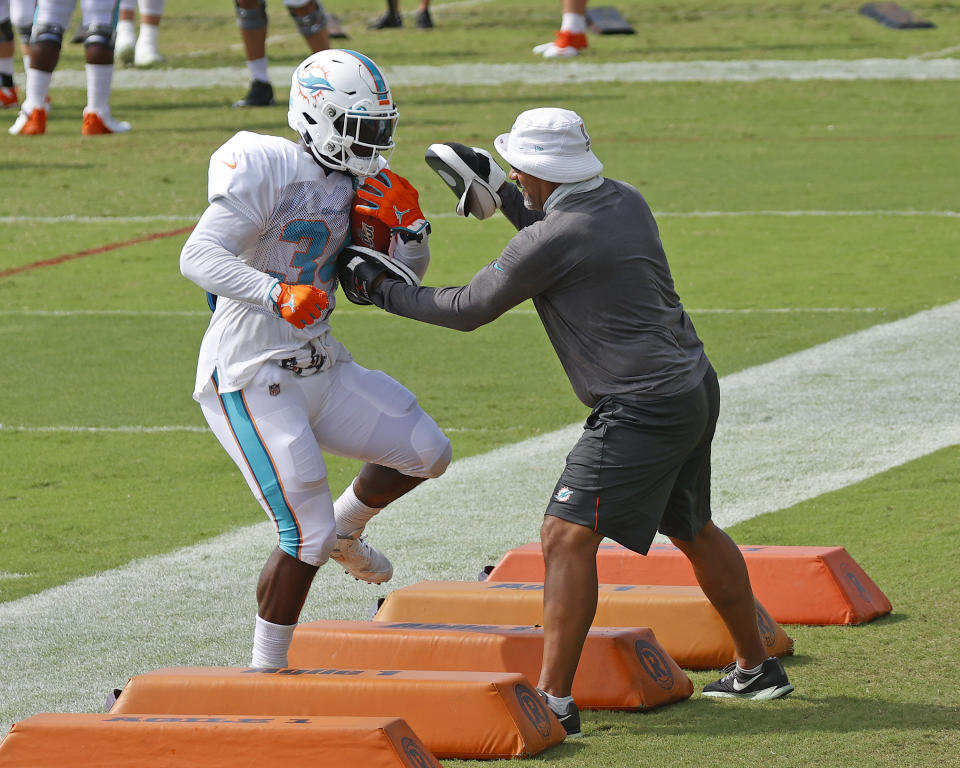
588	253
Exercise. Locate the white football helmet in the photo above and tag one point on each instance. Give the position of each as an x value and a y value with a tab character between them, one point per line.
341	105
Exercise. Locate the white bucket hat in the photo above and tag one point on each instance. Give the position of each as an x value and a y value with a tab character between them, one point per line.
551	144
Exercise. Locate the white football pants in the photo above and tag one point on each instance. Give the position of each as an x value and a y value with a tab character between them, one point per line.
278	426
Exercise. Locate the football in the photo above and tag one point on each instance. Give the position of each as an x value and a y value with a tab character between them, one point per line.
369	231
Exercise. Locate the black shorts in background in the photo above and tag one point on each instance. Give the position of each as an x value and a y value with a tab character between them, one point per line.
642	467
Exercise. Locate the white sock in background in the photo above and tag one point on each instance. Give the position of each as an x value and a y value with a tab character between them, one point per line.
147	42
258	69
574	22
126	35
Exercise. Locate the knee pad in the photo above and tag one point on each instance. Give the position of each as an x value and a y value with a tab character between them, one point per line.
48	33
24	30
6	31
252	18
98	34
311	22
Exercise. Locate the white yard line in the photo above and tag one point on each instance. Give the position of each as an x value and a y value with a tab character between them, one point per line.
558	72
953	49
792	429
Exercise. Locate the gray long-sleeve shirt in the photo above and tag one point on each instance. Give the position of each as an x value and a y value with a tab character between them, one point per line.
598	276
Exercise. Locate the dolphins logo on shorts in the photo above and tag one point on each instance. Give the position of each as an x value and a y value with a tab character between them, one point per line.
563	494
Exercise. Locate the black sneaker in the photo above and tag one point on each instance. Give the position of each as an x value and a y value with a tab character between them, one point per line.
389	20
259	95
569	718
769	683
423	20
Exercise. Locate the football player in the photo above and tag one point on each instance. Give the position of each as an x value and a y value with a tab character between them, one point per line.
276	387
53	18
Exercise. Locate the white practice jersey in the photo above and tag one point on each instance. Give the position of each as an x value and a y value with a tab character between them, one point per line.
287	220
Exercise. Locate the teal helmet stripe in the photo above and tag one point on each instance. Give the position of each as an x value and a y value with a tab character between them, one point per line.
378	78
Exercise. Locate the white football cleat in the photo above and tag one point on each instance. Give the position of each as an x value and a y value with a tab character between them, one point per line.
99	123
553	52
360	560
146	57
565	45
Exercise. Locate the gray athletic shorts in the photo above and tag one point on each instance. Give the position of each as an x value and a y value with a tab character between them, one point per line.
642	466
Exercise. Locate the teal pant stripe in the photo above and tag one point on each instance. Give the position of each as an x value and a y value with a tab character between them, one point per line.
260	463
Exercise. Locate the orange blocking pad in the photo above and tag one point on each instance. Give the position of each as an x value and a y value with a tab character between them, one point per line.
797	585
620	668
468	715
213	741
686	624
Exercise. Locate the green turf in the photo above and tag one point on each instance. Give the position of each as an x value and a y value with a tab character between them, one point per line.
204	33
722	147
76	502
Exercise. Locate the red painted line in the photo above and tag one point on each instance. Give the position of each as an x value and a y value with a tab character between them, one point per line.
93	251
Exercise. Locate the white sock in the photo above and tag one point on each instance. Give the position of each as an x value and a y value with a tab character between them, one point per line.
126	33
270	644
26	62
557	703
574	22
38	86
258	69
99	80
148	38
350	513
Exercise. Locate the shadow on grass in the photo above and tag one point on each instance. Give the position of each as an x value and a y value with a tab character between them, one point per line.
796	714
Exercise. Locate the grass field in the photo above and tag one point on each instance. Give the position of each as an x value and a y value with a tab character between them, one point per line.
793	213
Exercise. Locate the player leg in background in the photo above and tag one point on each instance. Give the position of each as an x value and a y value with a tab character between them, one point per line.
141	51
98	53
571	39
311	22
392	18
8	91
126	37
423	15
22	13
46	40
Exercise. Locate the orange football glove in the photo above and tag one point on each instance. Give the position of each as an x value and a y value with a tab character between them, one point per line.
299	305
386	205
